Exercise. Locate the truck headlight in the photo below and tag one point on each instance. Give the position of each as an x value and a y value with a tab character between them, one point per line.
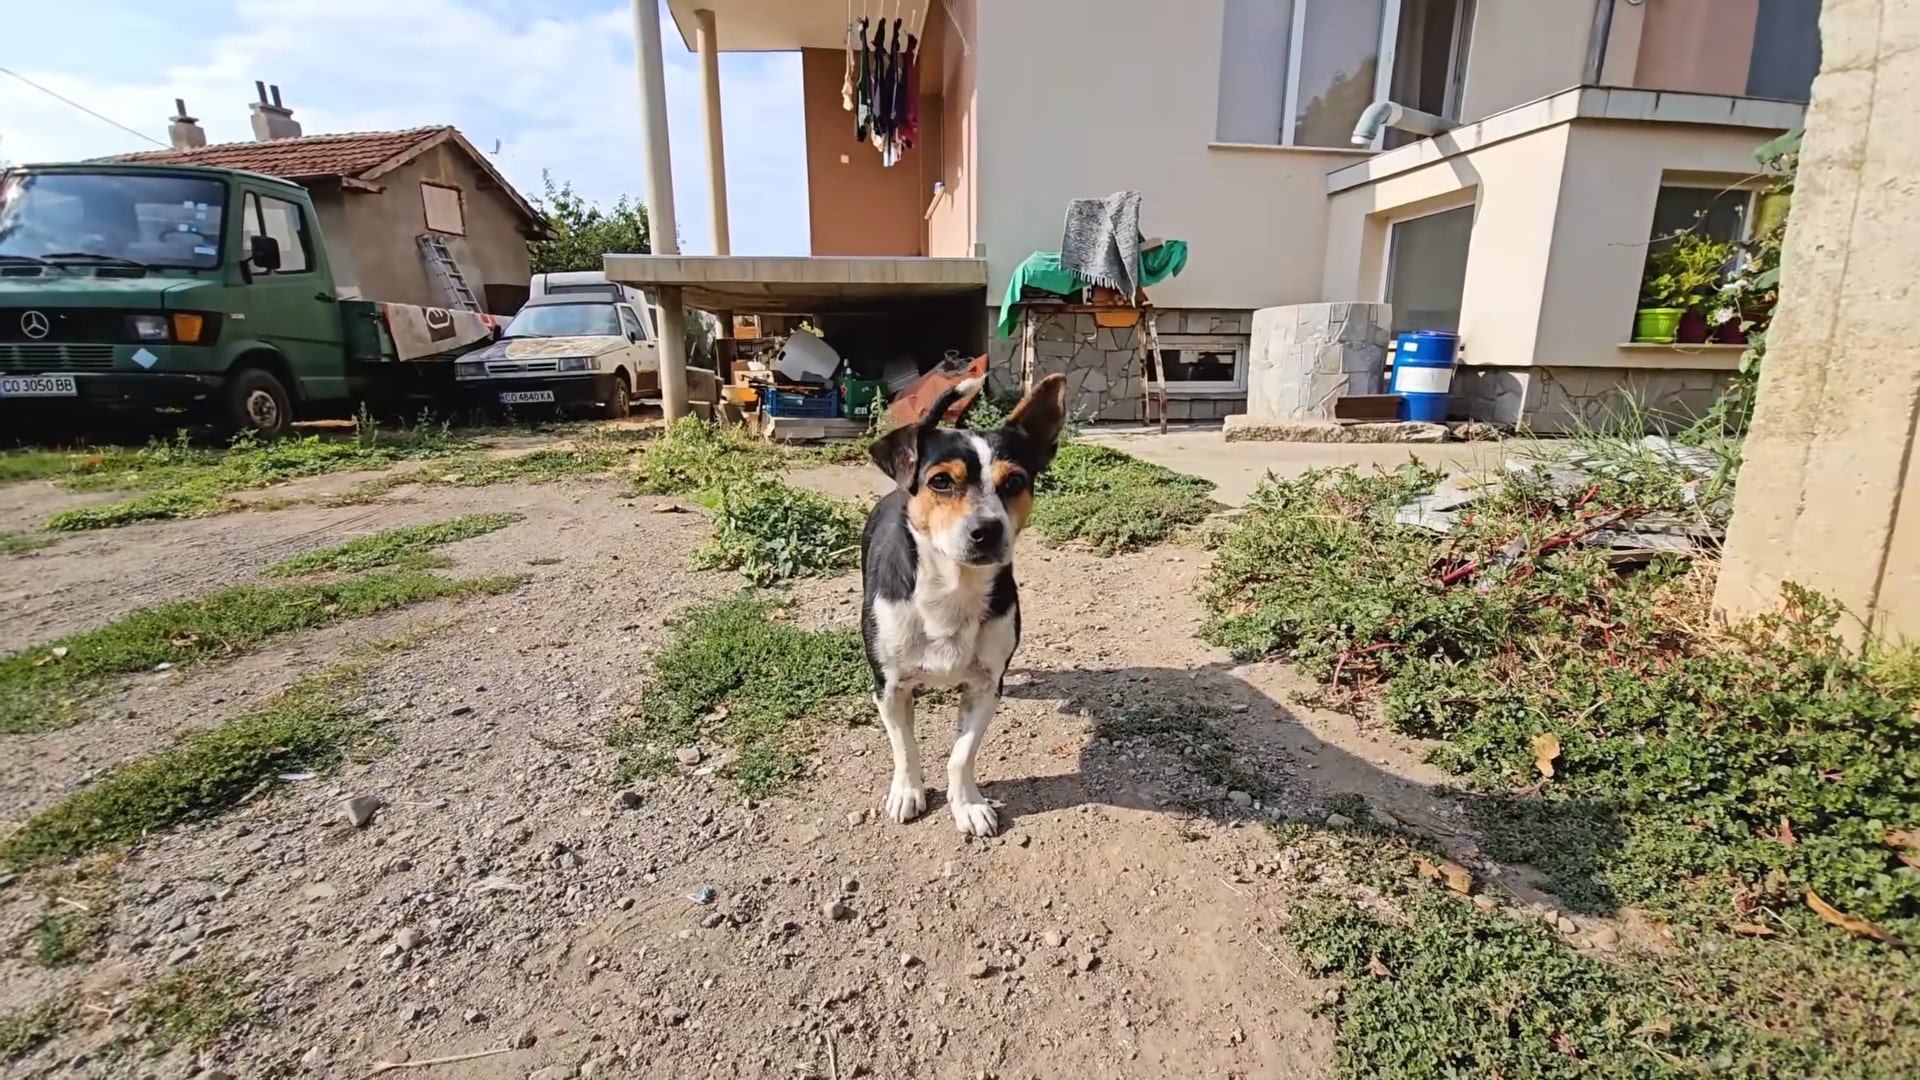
470	369
576	363
149	327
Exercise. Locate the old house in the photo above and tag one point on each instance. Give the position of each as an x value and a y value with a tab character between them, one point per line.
378	193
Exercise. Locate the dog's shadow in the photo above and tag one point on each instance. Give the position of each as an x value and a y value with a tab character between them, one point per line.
1204	742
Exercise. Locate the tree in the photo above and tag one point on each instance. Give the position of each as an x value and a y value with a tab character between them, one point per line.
583	232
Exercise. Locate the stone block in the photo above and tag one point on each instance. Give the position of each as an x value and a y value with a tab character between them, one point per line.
1303	356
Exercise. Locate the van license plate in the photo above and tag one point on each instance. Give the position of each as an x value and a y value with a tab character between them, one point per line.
527	397
22	386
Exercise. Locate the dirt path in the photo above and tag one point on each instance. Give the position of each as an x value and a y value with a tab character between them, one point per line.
507	898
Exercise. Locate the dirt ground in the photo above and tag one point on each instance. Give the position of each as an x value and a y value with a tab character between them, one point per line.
508	899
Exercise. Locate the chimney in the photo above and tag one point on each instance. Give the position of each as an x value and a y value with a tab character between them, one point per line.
185	132
272	120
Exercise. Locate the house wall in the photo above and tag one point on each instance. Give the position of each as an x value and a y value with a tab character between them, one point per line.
855	204
1133	105
1522	50
382	230
952	224
329	204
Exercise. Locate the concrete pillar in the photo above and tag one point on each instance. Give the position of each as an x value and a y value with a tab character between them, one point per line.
1829	497
716	148
660	217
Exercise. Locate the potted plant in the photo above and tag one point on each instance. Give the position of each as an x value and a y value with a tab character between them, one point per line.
1683	278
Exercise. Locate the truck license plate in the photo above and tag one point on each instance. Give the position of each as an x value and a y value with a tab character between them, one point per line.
23	386
526	397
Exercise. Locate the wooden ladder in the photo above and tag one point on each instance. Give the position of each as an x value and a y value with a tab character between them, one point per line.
446	273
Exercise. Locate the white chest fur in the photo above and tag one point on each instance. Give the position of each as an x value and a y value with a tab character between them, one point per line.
943	635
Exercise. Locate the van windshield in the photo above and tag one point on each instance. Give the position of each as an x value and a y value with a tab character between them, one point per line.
565	320
92	218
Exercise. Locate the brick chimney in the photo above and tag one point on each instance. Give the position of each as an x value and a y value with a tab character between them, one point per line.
185	132
272	120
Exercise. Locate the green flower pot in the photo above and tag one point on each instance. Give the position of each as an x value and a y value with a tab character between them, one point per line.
1658	325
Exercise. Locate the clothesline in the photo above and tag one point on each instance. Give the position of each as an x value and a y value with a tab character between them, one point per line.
881	87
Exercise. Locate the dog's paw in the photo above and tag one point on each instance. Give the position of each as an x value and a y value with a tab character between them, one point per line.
905	801
975	817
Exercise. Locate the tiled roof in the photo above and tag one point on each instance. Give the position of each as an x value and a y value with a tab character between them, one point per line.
350	155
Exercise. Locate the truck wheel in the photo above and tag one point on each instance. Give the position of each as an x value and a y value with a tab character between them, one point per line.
620	401
257	402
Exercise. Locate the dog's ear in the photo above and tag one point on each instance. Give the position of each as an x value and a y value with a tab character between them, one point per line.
1041	416
897	453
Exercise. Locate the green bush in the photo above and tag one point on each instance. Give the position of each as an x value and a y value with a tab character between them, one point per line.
772	532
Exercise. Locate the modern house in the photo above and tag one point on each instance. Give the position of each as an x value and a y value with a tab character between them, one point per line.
377	193
1538	146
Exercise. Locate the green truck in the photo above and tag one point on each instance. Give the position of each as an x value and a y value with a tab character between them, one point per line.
197	292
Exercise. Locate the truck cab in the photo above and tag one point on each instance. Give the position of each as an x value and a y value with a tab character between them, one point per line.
166	288
568	351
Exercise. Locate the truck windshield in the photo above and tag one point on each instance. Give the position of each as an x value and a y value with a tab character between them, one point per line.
165	221
565	320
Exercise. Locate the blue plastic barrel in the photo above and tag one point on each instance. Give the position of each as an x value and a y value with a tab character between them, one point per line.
1423	364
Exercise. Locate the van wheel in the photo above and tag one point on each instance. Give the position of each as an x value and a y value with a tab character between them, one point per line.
620	401
257	402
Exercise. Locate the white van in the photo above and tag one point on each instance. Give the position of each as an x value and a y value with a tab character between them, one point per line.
595	283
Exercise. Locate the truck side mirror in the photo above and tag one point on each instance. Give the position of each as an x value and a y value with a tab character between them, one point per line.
265	254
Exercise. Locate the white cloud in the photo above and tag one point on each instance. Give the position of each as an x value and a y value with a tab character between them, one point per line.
559	92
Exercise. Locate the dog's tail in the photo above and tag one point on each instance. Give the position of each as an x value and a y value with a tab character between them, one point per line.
960	391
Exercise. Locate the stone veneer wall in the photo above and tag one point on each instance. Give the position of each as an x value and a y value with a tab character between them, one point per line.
1103	375
1562	400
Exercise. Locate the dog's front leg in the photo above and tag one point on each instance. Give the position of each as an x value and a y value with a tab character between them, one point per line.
907	796
971	812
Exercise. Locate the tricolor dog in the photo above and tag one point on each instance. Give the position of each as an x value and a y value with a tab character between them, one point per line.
936	559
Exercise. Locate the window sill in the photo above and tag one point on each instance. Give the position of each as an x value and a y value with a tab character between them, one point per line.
1675	346
1271	148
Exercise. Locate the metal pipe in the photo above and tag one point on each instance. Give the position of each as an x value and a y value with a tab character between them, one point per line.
1395	115
1597	37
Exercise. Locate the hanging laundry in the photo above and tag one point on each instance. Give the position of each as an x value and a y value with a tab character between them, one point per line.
882	88
846	80
897	111
863	93
910	129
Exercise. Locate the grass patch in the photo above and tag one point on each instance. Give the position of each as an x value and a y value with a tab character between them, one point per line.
18	543
738	673
1114	502
693	455
771	532
77	914
311	726
192	1007
42	687
31	1028
1717	780
411	547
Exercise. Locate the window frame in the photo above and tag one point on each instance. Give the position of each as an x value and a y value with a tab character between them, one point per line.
459	204
1470	201
1236	343
253	222
1749	210
627	312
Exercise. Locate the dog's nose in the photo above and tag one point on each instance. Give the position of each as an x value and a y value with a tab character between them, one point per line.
987	534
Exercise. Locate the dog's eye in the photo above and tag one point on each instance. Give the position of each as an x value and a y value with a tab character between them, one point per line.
1014	484
940	482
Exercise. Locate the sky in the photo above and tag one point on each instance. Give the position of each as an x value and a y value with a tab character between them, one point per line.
552	81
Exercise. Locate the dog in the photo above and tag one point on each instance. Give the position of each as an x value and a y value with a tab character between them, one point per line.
940	607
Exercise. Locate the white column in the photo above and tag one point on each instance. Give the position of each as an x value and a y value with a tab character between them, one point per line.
716	147
660	216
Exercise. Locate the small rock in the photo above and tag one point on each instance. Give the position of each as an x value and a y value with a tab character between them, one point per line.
525	1039
1054	939
908	960
409	1013
849	886
213	1074
571	860
630	800
713	919
361	809
408	939
626	903
979	969
554	1072
1606	937
689	755
835	911
1486	904
1089	961
856	818
181	955
321	890
674	1017
461	710
1339	821
1566	925
473	1016
1022	840
190	934
1240	799
1382	818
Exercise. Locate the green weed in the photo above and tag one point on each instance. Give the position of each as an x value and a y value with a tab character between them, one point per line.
739	674
411	547
772	532
1114	502
192	1007
77	913
311	726
694	455
17	543
44	686
23	1032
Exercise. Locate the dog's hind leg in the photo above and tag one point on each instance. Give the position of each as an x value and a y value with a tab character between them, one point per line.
971	812
907	795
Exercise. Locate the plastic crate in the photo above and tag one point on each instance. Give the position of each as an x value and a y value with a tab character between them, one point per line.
861	398
793	403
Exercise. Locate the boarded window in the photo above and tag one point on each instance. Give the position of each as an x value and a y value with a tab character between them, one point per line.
446	213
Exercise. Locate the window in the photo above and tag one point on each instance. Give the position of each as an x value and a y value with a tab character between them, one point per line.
565	320
630	323
1427	270
287	224
1196	364
1719	214
446	213
1786	50
156	220
1300	72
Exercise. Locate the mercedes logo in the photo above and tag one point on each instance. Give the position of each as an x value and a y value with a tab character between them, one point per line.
34	325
